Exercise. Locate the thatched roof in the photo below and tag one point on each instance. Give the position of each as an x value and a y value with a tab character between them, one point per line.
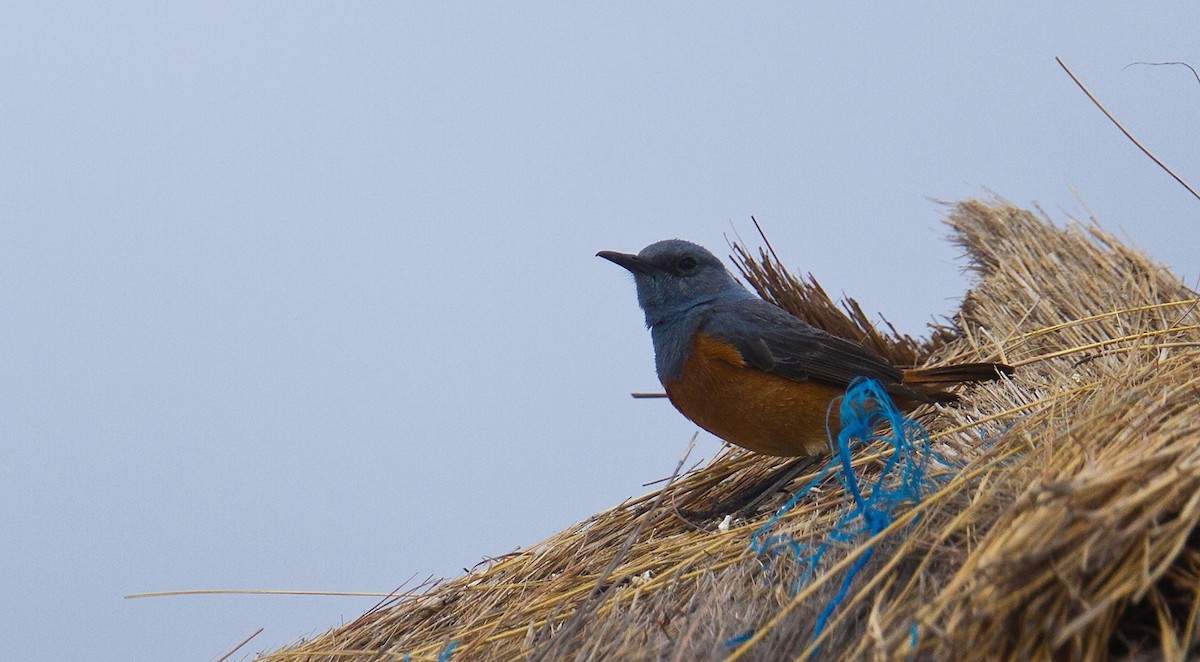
1059	518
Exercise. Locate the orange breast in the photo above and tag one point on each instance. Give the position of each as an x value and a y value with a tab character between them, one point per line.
749	407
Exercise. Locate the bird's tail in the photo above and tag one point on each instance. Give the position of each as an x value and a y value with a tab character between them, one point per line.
958	373
927	383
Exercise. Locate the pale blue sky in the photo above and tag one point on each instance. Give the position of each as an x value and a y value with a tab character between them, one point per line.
303	295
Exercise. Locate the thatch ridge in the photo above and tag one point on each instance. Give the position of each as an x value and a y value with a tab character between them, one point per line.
1064	525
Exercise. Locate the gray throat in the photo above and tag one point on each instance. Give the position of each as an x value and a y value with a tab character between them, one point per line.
673	345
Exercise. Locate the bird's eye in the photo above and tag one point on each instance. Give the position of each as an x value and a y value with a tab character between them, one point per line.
686	264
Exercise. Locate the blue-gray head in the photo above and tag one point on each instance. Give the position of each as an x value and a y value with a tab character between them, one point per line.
676	276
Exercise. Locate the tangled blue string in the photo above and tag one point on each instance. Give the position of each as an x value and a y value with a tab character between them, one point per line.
864	409
443	657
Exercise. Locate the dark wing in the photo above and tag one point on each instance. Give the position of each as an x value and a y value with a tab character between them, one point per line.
775	341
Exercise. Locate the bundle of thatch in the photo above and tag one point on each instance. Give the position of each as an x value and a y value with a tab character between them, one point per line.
1062	524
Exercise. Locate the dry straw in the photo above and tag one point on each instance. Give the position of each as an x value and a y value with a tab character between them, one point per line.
1062	522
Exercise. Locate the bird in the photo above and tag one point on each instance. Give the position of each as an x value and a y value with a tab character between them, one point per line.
749	371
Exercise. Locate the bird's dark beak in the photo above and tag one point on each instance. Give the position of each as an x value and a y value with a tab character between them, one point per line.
631	262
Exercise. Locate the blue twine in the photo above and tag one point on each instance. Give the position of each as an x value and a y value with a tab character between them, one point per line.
739	640
445	656
865	407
